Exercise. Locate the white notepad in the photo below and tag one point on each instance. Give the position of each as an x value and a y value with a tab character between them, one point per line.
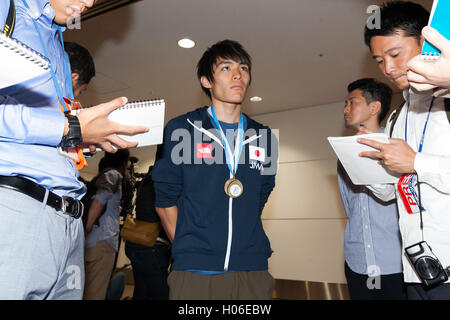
18	62
362	170
149	113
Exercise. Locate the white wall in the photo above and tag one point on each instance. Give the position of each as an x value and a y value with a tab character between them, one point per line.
304	218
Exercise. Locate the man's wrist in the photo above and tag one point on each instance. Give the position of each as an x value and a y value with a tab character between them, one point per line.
73	136
66	126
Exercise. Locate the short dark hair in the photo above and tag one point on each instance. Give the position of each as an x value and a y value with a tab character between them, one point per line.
373	90
81	61
225	49
405	16
114	160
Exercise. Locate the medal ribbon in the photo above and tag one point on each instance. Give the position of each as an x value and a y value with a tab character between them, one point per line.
232	158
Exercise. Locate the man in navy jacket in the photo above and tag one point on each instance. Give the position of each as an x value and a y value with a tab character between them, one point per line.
213	176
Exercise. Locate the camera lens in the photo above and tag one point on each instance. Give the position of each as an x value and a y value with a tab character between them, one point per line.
428	268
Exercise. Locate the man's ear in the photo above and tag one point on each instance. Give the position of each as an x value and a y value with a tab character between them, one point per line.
205	82
375	107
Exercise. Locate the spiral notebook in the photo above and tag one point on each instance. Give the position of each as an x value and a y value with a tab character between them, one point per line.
18	62
439	20
149	113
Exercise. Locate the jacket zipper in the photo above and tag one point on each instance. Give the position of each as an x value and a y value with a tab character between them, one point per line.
230	201
230	233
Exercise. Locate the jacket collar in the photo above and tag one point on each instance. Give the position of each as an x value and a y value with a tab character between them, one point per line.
207	125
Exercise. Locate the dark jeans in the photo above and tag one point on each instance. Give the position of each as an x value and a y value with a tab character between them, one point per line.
150	270
417	292
390	287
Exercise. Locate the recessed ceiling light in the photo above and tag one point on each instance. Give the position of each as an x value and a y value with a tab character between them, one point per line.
255	99
186	43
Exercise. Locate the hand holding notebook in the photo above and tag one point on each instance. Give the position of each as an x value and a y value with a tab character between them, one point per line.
141	122
425	75
362	171
431	69
439	21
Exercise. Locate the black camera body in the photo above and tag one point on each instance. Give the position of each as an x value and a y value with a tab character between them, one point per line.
426	264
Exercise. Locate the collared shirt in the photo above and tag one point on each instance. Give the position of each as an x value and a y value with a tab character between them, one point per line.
372	242
109	193
433	169
31	123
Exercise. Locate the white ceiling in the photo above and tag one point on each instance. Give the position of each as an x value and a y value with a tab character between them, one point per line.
304	52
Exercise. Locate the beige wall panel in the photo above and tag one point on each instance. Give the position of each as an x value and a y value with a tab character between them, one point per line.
305	190
304	218
303	132
307	250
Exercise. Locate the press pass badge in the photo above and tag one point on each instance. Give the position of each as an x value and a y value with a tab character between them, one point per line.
407	188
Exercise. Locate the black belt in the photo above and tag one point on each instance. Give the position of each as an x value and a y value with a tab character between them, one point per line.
68	205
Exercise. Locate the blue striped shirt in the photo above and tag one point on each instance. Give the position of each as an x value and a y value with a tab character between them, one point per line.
31	123
372	242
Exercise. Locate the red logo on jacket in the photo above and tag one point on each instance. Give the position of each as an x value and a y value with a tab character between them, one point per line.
204	150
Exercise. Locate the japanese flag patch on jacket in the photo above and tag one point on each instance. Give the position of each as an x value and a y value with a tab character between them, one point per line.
257	153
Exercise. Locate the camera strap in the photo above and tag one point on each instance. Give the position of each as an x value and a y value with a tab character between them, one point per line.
420	207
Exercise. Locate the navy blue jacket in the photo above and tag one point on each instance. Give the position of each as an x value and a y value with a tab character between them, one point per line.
213	231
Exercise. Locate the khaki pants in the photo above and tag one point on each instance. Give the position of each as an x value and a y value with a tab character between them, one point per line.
248	285
99	264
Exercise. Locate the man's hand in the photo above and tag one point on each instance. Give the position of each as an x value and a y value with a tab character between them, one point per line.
424	75
98	130
396	156
95	210
168	218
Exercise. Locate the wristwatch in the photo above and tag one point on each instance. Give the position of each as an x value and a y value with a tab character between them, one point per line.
73	137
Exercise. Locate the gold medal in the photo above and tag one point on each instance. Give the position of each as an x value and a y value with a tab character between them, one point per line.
227	183
233	188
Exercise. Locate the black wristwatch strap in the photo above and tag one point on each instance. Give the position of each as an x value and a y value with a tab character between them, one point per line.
73	137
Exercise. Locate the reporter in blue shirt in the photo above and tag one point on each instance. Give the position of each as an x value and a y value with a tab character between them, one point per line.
41	235
372	244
